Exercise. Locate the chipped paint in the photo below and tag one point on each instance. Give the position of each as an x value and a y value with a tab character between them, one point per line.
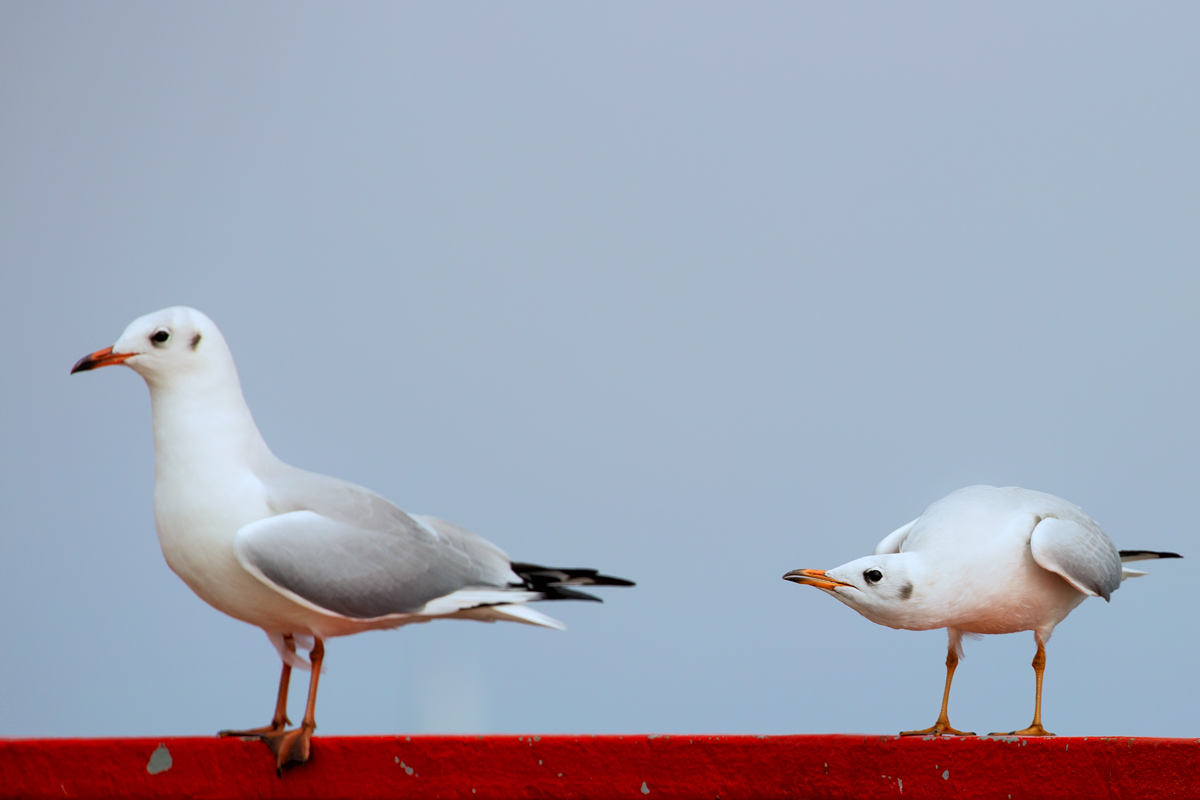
406	768
946	775
645	788
160	760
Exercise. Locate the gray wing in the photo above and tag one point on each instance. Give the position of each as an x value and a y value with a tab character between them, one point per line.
1082	554
347	550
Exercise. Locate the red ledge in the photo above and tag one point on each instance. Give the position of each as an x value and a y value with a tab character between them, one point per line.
725	767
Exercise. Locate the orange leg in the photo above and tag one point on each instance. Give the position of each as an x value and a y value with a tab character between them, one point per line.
280	720
1035	729
294	745
942	726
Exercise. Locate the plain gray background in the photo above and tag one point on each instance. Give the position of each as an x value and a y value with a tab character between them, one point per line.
692	293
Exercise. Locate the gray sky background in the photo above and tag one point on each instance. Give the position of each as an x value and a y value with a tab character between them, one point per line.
692	293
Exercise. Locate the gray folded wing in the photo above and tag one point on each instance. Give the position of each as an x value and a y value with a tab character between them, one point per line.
347	550
1082	554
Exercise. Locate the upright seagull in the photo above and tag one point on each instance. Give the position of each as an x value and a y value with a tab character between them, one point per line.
983	560
303	556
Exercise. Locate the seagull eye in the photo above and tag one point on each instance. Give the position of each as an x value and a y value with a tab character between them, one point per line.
873	576
160	336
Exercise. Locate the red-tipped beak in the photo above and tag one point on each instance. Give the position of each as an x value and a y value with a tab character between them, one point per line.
100	358
814	577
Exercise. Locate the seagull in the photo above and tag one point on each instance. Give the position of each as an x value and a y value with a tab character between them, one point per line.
303	556
983	560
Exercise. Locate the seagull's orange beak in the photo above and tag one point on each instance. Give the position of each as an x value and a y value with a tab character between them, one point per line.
100	358
814	577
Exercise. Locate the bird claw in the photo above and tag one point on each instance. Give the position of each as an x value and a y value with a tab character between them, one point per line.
940	728
1032	730
257	733
293	745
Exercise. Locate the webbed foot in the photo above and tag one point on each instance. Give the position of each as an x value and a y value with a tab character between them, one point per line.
1032	730
940	728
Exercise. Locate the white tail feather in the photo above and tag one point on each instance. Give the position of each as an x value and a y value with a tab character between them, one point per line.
511	613
465	599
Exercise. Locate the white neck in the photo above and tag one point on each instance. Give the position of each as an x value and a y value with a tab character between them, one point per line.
202	421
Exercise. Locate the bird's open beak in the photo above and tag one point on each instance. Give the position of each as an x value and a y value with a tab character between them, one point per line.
100	358
814	577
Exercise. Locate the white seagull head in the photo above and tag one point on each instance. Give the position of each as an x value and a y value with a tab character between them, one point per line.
880	587
165	346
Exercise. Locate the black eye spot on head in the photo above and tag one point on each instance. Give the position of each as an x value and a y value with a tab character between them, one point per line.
195	341
873	576
906	591
160	336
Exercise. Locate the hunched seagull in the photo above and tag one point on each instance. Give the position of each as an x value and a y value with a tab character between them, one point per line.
983	560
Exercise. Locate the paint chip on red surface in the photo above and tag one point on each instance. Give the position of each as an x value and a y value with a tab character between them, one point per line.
160	760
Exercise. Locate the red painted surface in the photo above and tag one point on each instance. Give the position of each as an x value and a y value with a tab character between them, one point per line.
725	767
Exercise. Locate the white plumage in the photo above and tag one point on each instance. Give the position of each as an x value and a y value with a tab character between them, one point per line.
983	560
303	556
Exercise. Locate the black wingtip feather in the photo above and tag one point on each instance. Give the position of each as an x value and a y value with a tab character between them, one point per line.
553	581
563	593
1149	553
